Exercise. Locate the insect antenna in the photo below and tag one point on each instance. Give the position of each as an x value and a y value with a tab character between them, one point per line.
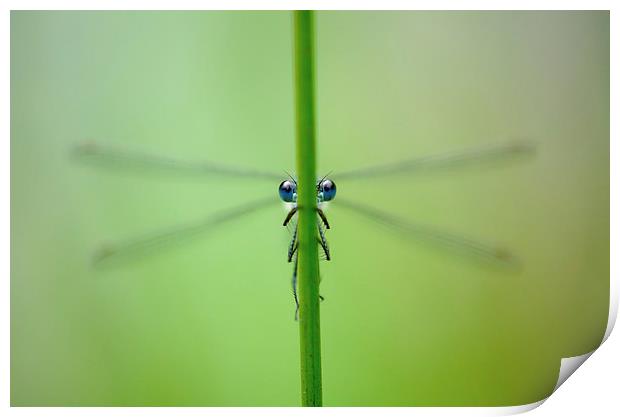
323	179
291	177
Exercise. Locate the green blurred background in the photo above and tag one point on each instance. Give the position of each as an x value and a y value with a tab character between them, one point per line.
210	322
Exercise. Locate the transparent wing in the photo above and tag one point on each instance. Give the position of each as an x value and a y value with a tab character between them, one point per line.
433	235
144	245
143	162
444	160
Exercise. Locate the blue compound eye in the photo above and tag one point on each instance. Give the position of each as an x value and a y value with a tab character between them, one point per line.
327	190
288	191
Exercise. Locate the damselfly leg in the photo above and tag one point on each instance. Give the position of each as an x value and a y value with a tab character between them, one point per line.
323	242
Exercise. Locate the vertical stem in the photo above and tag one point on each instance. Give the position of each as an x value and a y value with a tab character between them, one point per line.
309	317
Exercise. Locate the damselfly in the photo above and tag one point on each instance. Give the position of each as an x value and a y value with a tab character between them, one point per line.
287	190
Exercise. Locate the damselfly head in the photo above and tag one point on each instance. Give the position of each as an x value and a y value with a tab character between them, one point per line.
288	191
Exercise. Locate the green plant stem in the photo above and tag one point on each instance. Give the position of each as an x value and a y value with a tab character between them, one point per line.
308	261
